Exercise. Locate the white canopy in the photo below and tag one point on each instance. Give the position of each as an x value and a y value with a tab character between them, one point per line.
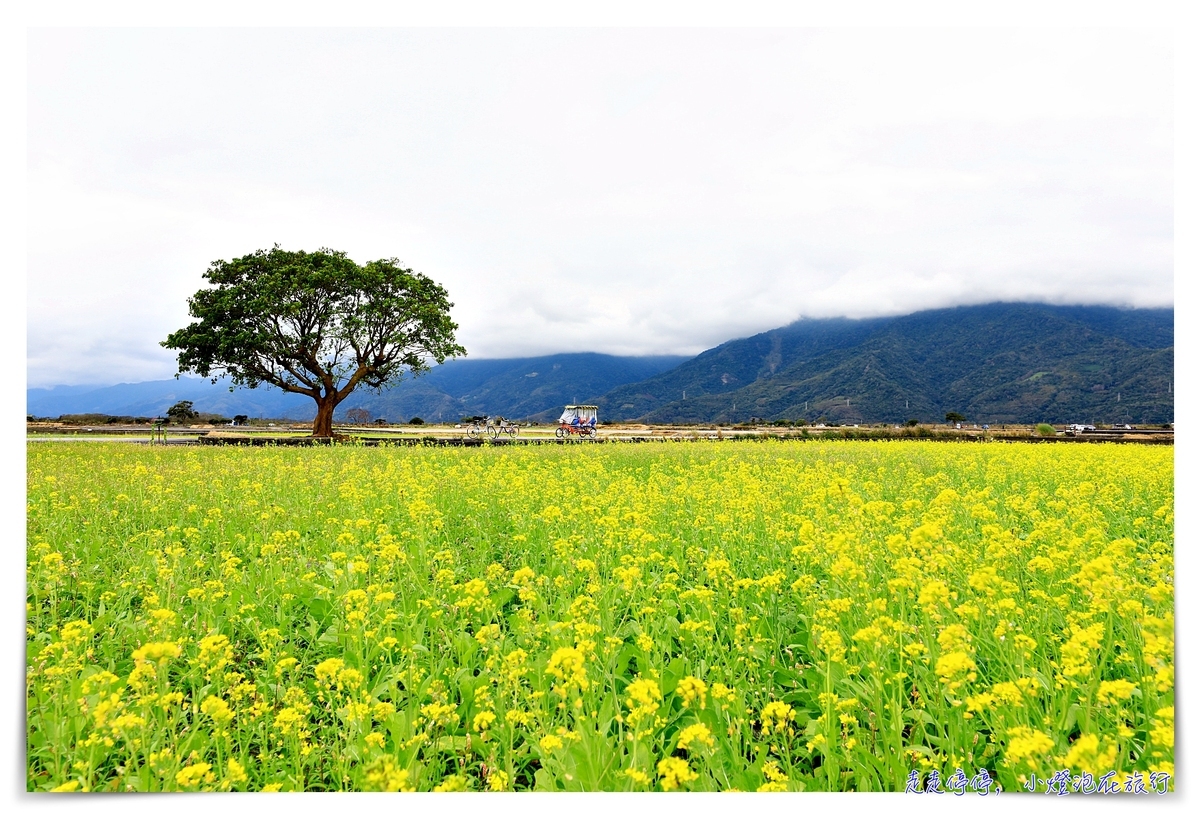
585	412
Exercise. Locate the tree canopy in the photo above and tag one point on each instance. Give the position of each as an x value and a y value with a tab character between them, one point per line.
182	411
315	324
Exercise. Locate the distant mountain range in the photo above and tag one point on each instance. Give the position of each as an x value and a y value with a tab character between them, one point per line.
995	363
512	387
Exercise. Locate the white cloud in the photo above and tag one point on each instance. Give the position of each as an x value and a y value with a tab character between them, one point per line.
622	190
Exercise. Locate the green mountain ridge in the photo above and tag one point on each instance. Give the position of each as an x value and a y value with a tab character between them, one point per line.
993	363
516	388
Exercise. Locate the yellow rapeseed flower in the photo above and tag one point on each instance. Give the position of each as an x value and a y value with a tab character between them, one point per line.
237	773
696	734
567	666
452	783
1086	755
777	780
383	775
691	689
1112	692
674	772
156	652
777	717
955	669
722	693
642	697
195	774
1077	652
934	595
638	776
483	720
1027	747
217	709
327	670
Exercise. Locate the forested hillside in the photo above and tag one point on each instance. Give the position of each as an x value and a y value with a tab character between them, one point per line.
1017	363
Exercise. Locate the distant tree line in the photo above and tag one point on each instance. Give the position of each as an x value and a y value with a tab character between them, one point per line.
116	420
180	413
91	419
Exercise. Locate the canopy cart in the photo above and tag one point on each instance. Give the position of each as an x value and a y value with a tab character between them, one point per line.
578	420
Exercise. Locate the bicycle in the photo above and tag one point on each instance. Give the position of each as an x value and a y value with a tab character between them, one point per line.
493	428
478	427
566	431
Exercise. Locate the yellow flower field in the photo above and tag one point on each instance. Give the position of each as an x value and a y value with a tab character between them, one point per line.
702	616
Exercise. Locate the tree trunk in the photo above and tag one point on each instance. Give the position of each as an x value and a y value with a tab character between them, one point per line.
323	425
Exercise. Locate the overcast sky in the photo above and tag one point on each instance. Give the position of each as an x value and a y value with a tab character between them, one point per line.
630	191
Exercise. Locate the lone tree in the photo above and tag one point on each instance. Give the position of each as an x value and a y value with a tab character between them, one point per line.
358	416
316	324
954	417
181	412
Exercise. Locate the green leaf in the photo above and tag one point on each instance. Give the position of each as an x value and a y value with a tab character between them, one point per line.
675	671
503	599
543	781
321	610
456	745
